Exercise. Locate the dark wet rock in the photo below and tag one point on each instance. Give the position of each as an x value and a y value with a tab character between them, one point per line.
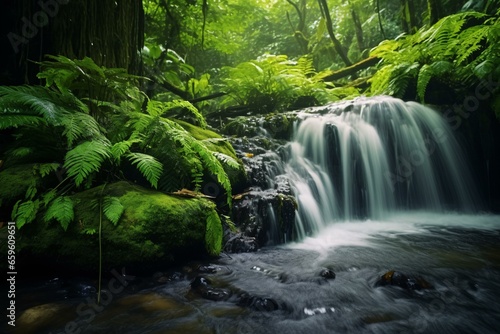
202	286
73	288
272	125
207	269
160	277
239	243
200	282
397	278
258	303
216	294
327	273
268	216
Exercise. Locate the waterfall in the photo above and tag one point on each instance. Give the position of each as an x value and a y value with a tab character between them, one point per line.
365	158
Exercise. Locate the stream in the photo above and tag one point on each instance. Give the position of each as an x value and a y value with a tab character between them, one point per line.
458	255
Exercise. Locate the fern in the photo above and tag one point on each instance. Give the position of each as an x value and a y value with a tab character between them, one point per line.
119	149
230	161
61	209
454	50
437	69
46	169
149	167
85	159
48	197
79	126
213	233
25	212
157	108
471	42
112	209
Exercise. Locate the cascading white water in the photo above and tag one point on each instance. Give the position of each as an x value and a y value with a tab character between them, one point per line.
368	157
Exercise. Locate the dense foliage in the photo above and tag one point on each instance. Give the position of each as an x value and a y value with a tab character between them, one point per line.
99	138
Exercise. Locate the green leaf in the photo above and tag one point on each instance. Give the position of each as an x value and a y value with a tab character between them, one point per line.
89	231
61	209
213	233
149	167
46	169
78	125
48	197
25	212
120	148
226	159
112	209
85	159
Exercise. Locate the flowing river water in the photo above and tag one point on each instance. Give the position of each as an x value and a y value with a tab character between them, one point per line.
381	186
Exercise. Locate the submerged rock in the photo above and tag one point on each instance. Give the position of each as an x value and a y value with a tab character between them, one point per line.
258	303
327	273
202	286
397	278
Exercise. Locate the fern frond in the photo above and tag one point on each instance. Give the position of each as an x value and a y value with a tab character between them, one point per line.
78	125
46	169
226	159
157	108
25	212
149	167
112	209
48	197
20	152
31	191
437	69
61	209
470	41
120	148
34	100
199	156
85	159
213	233
14	120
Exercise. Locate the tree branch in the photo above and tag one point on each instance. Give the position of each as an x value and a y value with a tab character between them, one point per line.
365	63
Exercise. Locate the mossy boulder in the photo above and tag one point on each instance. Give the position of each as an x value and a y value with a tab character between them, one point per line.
155	229
276	126
15	181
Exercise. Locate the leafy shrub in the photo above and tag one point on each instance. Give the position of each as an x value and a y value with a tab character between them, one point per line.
88	123
458	51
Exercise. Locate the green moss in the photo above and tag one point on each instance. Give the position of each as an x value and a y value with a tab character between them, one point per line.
155	229
16	180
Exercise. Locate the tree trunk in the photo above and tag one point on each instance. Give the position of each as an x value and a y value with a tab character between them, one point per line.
300	32
359	30
111	32
408	16
434	9
329	26
380	20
